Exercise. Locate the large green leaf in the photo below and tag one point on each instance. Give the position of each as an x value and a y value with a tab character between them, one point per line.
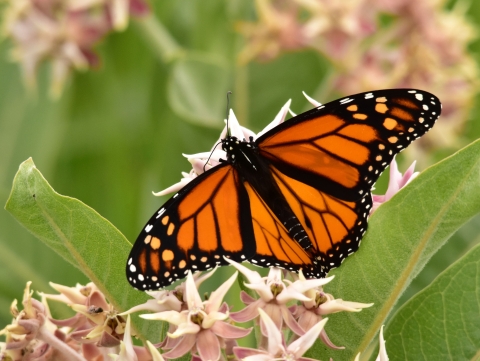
442	321
80	235
403	234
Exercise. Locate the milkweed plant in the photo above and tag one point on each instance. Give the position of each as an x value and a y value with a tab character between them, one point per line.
274	314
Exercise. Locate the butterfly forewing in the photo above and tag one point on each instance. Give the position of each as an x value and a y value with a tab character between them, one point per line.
206	220
344	146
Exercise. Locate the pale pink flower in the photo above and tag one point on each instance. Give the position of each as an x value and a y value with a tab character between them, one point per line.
319	304
277	349
63	33
275	294
202	327
96	321
277	30
334	27
170	300
397	181
32	336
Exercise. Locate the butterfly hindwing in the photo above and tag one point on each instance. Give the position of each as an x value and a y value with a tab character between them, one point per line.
334	226
342	147
275	247
209	218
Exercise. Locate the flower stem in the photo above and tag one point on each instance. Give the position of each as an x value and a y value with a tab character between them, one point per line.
160	40
66	351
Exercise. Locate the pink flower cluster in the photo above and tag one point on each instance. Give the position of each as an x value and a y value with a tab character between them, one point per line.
92	334
377	44
63	32
201	327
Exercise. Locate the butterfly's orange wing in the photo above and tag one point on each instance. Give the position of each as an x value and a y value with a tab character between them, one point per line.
334	227
343	147
325	162
208	219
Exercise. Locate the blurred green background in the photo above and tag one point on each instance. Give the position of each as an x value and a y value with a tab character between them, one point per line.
118	132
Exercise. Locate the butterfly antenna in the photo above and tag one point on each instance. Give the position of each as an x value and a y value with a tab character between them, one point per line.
210	156
228	109
228	130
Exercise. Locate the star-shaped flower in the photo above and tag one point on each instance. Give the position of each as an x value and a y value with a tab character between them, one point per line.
276	349
275	293
200	328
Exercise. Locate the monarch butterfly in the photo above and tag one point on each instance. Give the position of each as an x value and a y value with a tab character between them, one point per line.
298	197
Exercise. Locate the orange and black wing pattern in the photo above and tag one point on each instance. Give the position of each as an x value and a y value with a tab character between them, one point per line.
206	220
298	197
333	226
342	147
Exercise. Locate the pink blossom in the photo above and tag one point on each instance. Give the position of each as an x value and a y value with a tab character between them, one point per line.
202	327
319	304
276	348
274	295
397	181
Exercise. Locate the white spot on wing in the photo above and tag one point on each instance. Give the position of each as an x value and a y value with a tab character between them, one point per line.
148	228
346	100
160	212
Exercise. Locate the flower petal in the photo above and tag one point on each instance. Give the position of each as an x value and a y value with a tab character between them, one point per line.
184	346
187	328
156	356
192	297
226	330
290	321
172	317
279	118
382	353
212	317
338	305
250	354
311	100
234	125
216	297
208	346
248	313
74	294
275	339
302	344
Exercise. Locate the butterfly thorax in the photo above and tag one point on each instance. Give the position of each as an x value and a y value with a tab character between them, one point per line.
241	152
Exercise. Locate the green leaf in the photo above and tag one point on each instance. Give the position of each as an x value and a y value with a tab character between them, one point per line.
197	89
80	235
402	236
441	322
